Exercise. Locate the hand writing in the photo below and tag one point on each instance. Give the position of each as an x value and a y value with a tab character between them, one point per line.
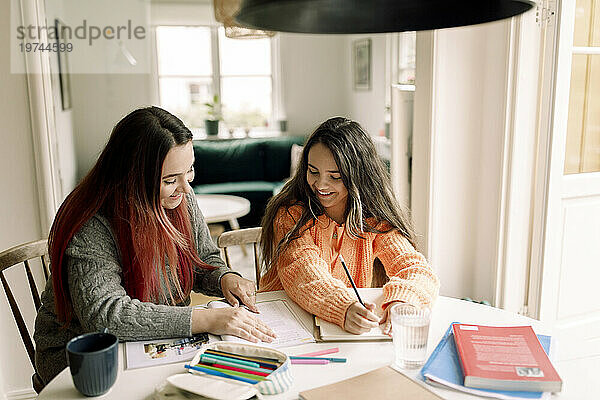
360	319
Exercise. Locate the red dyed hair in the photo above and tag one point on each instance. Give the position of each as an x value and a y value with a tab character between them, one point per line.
124	187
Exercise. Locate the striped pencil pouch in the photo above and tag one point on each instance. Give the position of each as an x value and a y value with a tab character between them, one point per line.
222	388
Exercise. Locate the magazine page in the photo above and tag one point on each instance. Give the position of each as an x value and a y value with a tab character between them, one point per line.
150	353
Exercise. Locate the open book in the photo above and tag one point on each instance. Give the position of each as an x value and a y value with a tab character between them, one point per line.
327	331
278	315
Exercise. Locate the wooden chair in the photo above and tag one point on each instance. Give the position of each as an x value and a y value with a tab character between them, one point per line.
9	258
242	237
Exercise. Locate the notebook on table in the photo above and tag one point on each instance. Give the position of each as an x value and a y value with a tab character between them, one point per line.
326	331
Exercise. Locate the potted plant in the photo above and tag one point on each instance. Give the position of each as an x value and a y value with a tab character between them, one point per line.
211	124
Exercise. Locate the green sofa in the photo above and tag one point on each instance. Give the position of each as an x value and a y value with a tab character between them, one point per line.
250	168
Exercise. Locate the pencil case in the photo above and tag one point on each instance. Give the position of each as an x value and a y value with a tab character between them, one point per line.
221	388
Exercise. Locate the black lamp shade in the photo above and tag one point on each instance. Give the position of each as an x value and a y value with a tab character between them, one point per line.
373	16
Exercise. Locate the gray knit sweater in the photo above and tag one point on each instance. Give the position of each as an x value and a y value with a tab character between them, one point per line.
100	301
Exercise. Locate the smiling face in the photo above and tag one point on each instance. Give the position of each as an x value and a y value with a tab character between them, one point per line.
177	173
324	178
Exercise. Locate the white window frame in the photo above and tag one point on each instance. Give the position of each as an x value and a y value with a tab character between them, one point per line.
277	108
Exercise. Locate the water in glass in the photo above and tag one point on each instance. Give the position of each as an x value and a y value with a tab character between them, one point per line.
410	328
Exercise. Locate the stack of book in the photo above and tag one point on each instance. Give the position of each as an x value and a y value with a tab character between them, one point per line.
503	362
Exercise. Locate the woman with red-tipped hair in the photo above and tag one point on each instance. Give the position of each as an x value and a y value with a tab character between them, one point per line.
129	244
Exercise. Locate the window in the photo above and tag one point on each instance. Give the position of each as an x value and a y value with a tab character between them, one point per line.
583	126
196	62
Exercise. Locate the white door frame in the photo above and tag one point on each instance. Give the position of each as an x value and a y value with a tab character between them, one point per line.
423	140
43	125
518	208
552	130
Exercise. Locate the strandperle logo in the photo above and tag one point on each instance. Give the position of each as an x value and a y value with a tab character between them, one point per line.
81	37
83	31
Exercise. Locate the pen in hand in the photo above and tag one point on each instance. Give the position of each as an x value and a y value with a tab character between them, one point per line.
351	280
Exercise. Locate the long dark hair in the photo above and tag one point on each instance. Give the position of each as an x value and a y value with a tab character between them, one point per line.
124	186
364	175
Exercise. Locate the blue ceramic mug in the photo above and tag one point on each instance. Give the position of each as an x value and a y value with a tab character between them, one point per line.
93	360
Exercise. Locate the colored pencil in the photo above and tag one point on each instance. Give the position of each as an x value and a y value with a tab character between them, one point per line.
221	374
246	371
321	362
208	359
330	359
320	353
351	280
253	358
234	373
232	360
262	364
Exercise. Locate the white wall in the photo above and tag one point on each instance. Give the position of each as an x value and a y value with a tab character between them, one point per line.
494	55
468	113
182	13
367	106
314	82
99	102
19	210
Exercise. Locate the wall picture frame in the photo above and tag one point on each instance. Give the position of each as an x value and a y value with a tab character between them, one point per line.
63	69
361	64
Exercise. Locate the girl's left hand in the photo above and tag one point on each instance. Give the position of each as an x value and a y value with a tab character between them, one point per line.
386	321
235	287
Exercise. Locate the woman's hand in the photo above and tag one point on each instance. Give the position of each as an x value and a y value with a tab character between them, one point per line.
235	321
386	321
235	287
360	319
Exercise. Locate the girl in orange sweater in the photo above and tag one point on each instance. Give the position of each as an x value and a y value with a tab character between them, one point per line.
340	201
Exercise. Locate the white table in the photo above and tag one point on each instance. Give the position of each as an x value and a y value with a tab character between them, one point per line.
222	207
362	357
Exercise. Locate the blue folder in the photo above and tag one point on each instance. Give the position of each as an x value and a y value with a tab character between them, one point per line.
444	364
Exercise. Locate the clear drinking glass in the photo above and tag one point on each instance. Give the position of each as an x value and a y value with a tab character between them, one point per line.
410	329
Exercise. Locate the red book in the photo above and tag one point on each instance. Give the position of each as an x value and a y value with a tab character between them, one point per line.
504	358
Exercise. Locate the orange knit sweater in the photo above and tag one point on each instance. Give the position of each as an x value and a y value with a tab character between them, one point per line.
311	274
